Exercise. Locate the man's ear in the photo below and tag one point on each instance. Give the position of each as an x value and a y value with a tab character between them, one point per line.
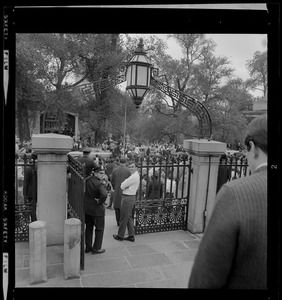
254	150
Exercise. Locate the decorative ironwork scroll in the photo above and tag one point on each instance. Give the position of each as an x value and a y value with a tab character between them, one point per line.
196	107
161	215
22	207
88	90
22	220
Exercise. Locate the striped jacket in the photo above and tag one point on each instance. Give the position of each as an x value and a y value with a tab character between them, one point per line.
233	250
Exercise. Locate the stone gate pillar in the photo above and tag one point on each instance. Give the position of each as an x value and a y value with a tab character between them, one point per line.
205	159
51	150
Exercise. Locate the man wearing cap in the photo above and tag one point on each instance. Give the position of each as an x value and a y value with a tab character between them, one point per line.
85	159
95	196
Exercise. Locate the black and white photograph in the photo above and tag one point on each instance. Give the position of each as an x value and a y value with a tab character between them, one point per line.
141	151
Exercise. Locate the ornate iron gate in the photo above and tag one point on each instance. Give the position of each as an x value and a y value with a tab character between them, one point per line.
76	189
25	190
168	208
22	220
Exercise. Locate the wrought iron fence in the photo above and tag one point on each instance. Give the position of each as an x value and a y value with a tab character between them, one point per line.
76	190
25	195
163	195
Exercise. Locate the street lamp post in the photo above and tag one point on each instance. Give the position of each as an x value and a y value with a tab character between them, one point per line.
139	76
124	129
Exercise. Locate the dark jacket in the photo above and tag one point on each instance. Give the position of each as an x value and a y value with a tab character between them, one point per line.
224	175
30	183
155	189
95	190
110	166
118	176
89	164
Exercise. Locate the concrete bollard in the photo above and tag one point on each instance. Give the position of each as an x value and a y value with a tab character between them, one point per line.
72	237
37	252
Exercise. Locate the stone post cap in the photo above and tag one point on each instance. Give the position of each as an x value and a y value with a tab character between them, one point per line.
37	224
72	221
204	147
51	143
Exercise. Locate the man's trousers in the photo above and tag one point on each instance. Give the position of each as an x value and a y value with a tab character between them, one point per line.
99	223
126	216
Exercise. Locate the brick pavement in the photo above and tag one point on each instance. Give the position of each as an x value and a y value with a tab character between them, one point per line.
154	260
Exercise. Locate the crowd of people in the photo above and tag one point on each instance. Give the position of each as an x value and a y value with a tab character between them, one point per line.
233	249
118	182
114	184
131	148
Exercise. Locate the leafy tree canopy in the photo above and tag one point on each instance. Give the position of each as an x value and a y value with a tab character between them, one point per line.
50	66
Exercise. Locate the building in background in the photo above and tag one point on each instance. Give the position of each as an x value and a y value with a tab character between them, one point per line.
259	108
49	123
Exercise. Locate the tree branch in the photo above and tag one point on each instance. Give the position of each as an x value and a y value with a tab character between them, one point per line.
77	83
165	114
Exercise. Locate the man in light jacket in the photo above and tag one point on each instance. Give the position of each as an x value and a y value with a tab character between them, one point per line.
129	189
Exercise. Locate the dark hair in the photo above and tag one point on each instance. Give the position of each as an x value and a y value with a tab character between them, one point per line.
256	132
123	160
132	162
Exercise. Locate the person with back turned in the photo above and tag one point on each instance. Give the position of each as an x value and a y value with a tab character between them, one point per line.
30	189
118	176
233	250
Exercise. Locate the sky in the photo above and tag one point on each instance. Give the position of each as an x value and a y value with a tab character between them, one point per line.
238	48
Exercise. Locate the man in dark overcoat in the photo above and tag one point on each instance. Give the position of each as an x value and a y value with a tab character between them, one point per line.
118	176
224	172
155	187
95	196
30	190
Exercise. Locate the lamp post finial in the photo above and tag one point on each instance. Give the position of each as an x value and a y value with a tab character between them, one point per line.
140	47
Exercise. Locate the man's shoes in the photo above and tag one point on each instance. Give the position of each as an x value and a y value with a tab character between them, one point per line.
98	251
116	237
109	207
87	250
130	238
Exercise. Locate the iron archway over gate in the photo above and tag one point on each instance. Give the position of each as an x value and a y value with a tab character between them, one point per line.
196	107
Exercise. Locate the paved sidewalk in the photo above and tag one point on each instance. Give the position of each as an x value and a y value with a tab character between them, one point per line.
154	260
